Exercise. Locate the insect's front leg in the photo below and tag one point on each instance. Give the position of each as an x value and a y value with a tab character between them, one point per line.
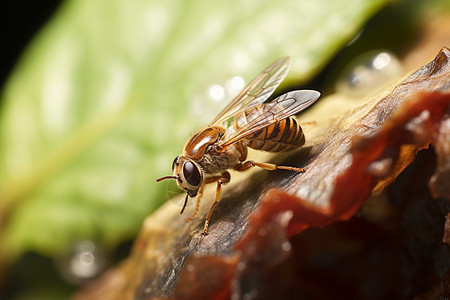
200	194
197	205
222	179
268	166
206	181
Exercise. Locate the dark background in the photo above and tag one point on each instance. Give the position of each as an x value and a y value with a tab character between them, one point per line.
20	21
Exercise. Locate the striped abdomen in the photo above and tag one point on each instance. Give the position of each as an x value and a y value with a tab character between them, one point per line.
283	135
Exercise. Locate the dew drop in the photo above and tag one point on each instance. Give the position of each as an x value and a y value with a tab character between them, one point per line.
368	72
84	261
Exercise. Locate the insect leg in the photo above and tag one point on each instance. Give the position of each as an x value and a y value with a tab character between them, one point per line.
268	166
224	178
206	181
197	205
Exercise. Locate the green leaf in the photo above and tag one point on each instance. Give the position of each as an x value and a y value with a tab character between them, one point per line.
107	93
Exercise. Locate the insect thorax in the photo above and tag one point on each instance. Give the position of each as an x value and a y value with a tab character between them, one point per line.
197	145
217	162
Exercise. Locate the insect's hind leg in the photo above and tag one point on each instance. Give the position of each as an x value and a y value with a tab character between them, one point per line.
268	166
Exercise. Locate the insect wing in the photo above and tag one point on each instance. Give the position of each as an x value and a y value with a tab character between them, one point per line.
279	109
258	90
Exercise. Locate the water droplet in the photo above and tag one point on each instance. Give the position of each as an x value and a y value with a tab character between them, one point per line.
381	61
83	262
369	72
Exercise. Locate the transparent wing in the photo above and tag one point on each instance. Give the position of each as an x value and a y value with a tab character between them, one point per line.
279	109
258	90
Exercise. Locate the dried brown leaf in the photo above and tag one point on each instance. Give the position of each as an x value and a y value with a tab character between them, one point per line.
346	159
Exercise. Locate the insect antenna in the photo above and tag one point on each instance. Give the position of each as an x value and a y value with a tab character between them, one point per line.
184	205
166	177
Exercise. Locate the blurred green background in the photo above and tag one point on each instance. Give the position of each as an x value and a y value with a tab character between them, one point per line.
107	92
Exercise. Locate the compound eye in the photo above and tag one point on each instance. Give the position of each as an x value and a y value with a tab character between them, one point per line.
191	173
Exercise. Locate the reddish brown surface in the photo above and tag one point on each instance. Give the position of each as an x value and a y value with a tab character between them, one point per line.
446	238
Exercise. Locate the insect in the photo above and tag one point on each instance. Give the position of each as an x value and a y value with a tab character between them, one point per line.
247	121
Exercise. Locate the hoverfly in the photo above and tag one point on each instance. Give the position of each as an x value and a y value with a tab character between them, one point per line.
248	121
